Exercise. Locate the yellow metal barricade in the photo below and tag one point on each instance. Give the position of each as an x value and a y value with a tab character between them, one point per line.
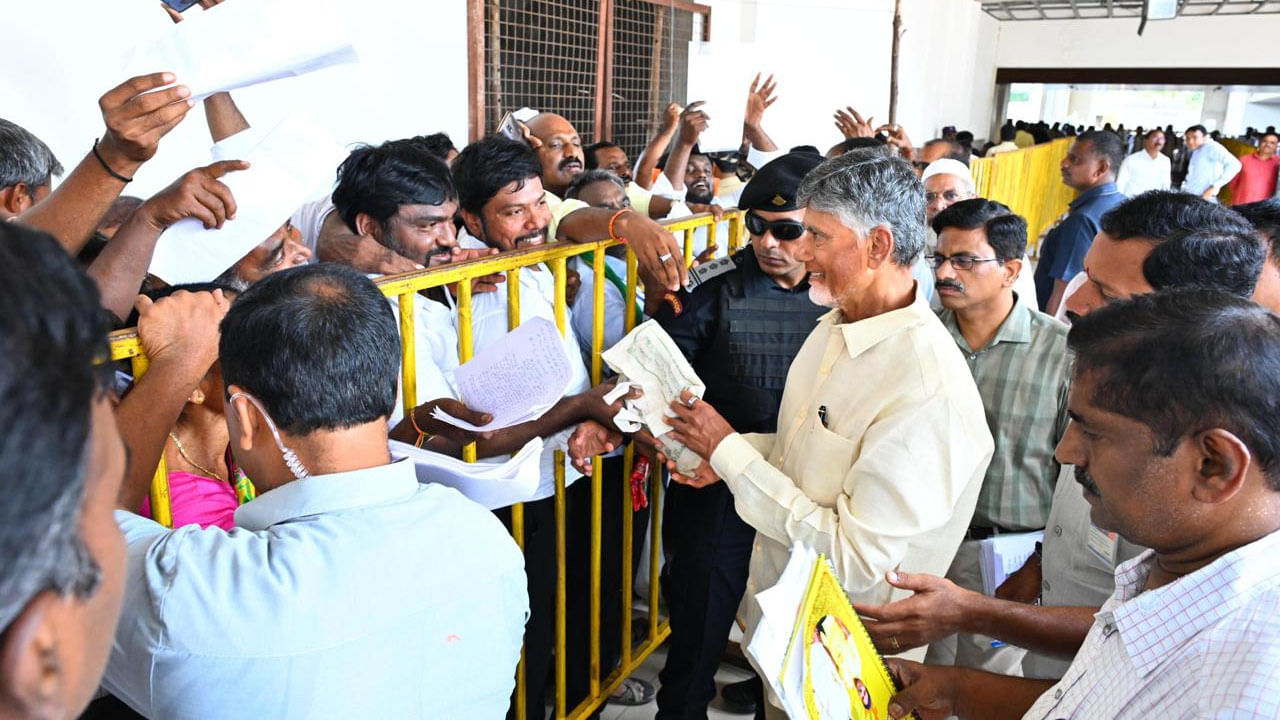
404	288
1029	181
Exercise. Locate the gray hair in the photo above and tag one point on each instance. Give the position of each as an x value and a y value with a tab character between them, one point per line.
867	190
587	177
24	158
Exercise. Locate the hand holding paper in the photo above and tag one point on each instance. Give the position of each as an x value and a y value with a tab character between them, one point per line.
516	379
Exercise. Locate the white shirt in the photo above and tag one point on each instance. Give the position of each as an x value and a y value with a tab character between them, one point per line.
1212	165
489	324
614	304
1204	646
352	595
309	219
892	477
1140	172
435	349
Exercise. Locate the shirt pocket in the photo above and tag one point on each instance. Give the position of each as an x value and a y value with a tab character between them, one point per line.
822	459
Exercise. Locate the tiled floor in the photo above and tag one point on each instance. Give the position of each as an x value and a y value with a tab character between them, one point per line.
649	671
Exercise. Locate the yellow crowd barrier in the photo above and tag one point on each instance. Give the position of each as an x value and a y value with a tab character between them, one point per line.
1029	181
403	288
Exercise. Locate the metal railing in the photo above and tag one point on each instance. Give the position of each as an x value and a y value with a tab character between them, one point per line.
404	288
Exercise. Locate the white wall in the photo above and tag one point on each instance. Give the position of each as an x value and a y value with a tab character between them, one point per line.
946	72
1242	41
411	80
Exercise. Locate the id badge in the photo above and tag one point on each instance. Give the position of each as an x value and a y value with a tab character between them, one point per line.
1103	544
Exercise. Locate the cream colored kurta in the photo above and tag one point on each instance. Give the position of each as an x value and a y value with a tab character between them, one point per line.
890	482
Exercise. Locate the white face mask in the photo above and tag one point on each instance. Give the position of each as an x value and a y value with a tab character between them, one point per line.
290	457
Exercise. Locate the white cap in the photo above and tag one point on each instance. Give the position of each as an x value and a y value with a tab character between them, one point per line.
947	166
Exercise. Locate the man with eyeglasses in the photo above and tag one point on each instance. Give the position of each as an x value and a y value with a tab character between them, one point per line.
1019	361
947	182
740	327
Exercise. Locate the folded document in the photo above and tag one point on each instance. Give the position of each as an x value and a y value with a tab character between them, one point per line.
491	484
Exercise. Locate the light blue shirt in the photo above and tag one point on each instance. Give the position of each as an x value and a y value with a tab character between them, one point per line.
1212	165
352	595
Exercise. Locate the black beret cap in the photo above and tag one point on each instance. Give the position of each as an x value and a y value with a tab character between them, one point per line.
774	186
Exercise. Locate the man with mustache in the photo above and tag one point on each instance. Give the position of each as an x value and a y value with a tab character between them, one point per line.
1089	168
1146	169
1019	360
1174	437
1158	240
740	328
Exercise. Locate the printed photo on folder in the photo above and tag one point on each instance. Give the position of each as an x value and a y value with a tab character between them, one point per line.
830	669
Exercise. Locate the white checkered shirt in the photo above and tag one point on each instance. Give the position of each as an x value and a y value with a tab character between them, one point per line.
1204	646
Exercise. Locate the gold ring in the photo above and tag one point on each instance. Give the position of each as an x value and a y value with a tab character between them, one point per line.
894	639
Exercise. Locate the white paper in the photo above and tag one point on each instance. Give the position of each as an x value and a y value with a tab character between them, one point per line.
286	167
1000	556
491	484
778	630
720	75
516	379
648	357
238	44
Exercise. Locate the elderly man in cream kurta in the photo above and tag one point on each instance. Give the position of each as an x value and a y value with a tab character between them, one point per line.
882	442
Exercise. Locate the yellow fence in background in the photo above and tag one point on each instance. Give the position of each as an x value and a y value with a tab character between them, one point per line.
1029	181
404	289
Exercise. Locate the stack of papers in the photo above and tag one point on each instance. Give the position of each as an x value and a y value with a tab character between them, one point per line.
516	379
1001	555
238	44
648	357
491	484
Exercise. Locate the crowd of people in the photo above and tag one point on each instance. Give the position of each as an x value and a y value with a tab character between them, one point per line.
889	380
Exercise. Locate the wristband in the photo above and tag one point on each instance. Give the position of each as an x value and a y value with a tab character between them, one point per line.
107	167
616	215
423	436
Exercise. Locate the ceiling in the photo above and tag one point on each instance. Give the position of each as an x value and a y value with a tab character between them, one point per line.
1074	9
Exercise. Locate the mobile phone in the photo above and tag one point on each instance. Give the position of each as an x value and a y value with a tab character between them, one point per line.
180	5
510	128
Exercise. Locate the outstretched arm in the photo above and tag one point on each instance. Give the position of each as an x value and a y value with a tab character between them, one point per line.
648	160
137	114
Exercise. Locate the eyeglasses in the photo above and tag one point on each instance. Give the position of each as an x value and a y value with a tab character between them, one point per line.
950	196
291	459
784	230
959	262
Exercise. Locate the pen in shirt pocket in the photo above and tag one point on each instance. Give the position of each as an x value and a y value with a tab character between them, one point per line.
822	416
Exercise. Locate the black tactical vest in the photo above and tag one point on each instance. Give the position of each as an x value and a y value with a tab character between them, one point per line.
759	332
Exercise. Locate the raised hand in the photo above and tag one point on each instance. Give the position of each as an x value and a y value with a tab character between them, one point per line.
182	329
692	122
759	97
137	115
851	125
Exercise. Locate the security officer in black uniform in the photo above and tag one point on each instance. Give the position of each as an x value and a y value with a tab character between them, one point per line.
740	326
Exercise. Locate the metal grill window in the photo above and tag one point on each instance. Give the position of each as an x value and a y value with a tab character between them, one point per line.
650	67
545	54
542	54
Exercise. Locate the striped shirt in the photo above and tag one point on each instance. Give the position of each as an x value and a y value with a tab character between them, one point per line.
1204	646
1023	376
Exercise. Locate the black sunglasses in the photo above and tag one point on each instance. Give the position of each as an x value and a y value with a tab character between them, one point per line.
782	229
